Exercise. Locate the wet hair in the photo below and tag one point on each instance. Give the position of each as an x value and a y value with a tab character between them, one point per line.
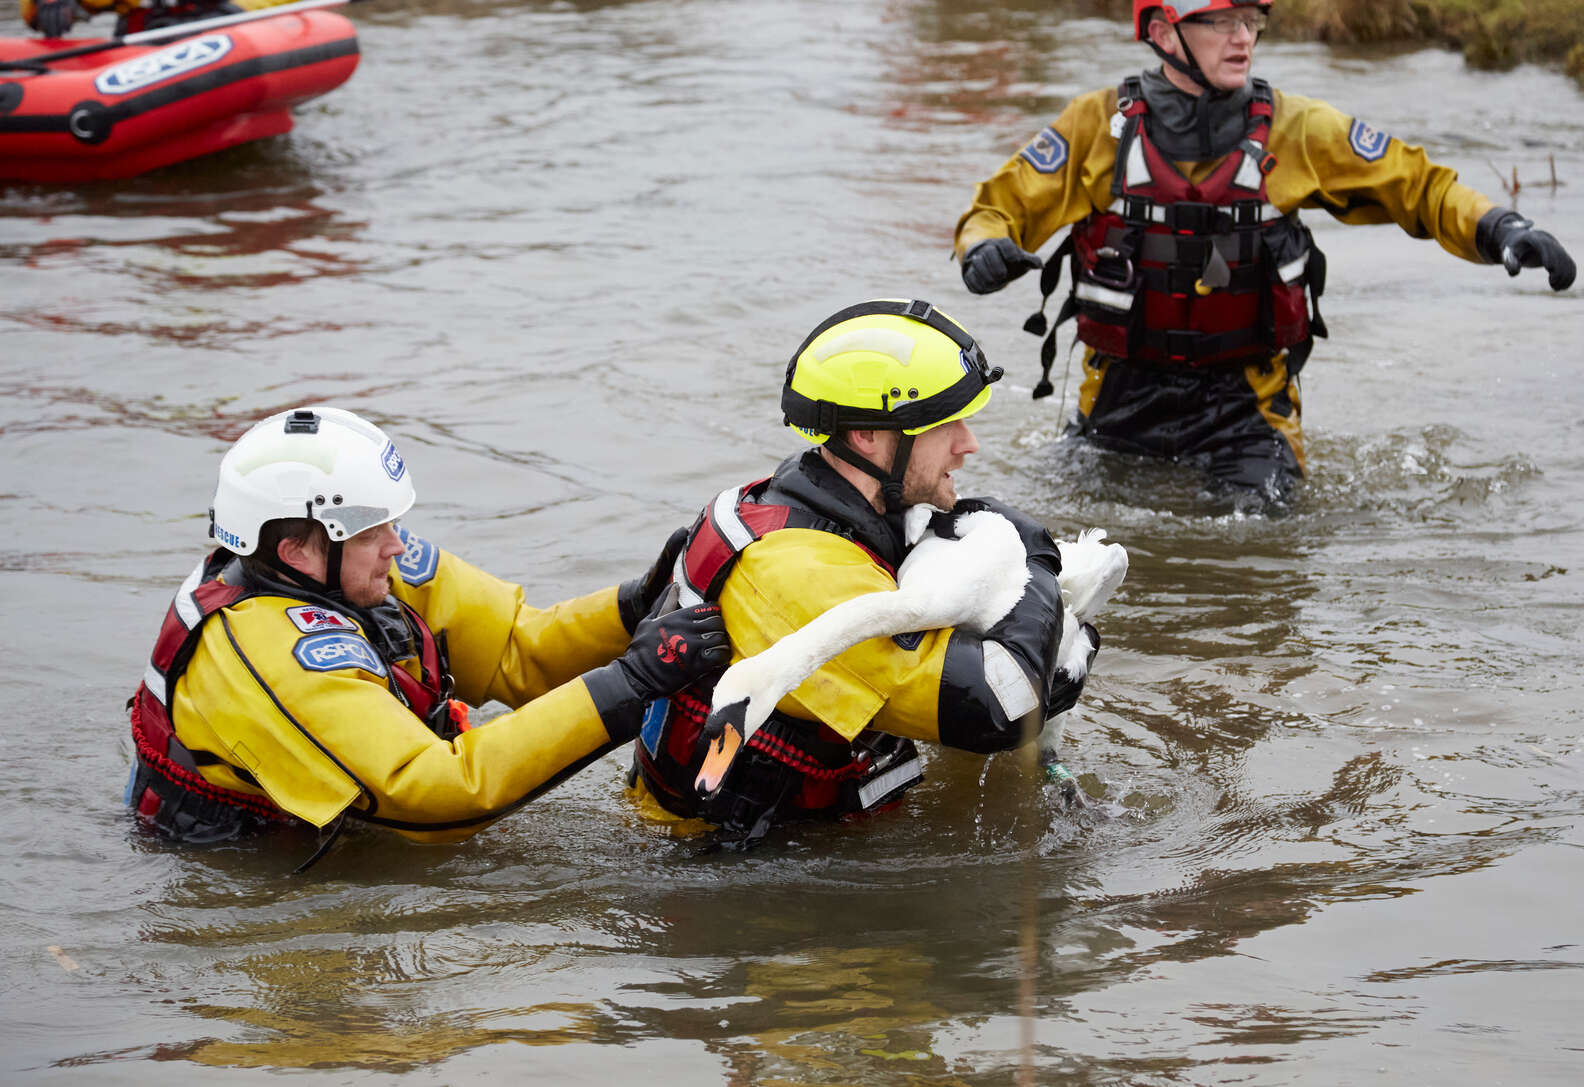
272	533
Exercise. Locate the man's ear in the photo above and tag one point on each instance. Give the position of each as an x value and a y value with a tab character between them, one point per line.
301	555
1165	36
873	445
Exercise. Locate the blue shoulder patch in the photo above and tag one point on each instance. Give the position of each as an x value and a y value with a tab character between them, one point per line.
909	642
334	650
419	560
1046	152
1368	143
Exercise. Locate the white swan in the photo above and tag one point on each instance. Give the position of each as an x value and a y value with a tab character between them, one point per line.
970	581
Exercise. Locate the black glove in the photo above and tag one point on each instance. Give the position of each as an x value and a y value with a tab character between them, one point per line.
670	651
993	263
1061	689
1036	537
1507	238
666	654
637	598
53	18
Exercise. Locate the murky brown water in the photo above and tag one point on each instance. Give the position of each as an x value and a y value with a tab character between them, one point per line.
561	250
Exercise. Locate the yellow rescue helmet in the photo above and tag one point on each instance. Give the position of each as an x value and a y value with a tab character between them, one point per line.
887	364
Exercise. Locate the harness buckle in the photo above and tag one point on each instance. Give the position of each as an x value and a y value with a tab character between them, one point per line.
1181	280
1112	269
1190	217
1137	209
1246	213
1182	345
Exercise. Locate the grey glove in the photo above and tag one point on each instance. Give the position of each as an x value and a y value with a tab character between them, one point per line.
1507	238
53	18
993	263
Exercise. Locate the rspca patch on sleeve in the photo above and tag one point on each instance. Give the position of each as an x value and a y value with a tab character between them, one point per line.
333	651
311	617
419	558
1046	152
1368	143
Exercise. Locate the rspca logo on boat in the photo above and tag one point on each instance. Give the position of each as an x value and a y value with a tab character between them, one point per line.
311	617
1046	152
333	651
178	60
1368	143
419	559
392	460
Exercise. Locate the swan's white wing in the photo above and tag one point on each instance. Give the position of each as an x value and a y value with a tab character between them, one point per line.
1091	571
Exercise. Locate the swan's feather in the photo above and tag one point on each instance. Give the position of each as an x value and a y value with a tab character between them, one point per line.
971	581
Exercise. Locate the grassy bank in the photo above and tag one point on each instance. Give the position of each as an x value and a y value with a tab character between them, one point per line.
1490	33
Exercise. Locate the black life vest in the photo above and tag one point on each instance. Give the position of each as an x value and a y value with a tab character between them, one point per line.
166	788
789	767
1177	274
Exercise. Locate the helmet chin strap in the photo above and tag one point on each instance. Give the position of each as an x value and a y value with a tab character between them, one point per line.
297	577
890	482
1189	67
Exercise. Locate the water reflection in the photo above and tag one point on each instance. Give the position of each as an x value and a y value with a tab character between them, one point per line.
1325	752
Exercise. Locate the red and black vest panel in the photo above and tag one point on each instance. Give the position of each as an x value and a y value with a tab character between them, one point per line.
166	787
1174	273
791	767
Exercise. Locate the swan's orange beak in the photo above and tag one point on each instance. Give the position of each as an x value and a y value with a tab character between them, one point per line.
717	760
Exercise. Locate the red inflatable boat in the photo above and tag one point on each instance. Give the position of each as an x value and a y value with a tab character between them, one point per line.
120	111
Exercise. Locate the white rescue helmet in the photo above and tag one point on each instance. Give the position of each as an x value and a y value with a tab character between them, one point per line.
318	462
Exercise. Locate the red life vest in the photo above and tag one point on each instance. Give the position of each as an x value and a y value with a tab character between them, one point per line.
166	787
1174	273
817	770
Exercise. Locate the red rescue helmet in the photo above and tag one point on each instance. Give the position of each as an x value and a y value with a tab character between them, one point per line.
1179	10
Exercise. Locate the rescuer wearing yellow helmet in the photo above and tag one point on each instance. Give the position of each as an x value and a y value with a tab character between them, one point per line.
884	390
1194	284
318	664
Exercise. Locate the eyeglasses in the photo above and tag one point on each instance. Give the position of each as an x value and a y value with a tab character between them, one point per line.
1226	23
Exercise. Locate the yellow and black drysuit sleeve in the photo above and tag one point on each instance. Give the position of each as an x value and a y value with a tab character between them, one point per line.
945	686
1324	159
309	718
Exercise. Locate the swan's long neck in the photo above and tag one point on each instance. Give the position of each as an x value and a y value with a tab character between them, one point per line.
771	675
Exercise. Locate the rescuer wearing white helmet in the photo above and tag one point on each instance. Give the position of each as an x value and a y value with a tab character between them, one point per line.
884	390
319	663
1194	284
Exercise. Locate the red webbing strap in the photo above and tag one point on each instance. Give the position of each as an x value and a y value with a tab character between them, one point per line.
786	753
160	763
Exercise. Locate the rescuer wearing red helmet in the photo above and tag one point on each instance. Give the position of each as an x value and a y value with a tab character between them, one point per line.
1194	284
